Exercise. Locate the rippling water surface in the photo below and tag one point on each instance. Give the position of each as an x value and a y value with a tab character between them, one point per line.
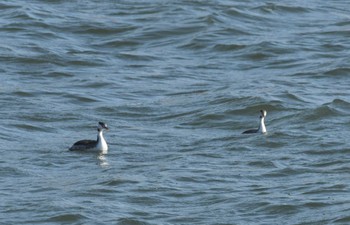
177	82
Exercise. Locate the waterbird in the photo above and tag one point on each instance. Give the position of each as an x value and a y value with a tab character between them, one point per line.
100	144
262	127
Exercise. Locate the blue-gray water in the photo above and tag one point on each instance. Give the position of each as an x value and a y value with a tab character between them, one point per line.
177	82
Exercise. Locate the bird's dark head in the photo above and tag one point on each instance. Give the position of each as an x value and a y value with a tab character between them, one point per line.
263	113
102	126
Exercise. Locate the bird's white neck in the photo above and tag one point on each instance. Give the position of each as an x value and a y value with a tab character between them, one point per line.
262	127
101	142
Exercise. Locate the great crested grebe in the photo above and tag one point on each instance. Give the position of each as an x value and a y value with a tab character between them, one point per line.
100	144
262	127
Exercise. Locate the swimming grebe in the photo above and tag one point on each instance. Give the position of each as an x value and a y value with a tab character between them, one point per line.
100	144
262	127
